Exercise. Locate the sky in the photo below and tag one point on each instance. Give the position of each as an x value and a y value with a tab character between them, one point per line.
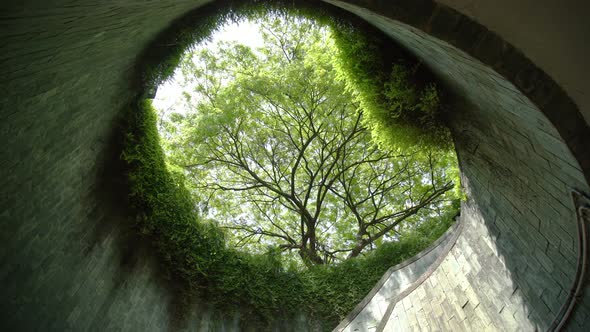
170	93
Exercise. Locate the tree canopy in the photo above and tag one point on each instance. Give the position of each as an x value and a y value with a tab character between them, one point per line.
275	148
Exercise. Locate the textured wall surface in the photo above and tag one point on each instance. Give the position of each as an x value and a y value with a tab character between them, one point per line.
550	33
518	255
69	262
472	290
399	281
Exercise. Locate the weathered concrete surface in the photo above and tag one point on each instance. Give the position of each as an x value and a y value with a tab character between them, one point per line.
66	67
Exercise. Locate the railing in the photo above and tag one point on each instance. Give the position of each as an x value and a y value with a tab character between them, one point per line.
582	205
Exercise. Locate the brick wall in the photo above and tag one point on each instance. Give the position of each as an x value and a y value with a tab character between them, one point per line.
67	259
518	255
69	262
398	281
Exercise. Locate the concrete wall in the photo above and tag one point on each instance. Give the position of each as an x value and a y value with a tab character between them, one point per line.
518	255
550	32
69	262
398	282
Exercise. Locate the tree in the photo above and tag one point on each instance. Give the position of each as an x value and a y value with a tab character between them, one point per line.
276	150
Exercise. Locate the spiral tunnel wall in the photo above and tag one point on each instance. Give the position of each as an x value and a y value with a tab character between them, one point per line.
70	261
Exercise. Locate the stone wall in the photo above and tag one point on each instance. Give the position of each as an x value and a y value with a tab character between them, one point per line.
472	290
519	253
399	281
550	33
70	262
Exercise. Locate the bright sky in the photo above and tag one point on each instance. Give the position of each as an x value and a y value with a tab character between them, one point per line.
169	94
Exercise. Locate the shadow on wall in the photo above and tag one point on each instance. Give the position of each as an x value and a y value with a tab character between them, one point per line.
397	283
513	162
133	254
66	69
518	169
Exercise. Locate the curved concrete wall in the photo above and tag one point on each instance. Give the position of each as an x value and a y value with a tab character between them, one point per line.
518	254
67	260
398	282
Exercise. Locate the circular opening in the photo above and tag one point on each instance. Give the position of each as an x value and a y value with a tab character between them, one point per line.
270	135
387	110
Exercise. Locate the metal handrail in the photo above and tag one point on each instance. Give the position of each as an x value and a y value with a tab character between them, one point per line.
582	204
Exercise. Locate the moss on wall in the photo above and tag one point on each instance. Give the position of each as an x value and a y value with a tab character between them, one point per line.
257	285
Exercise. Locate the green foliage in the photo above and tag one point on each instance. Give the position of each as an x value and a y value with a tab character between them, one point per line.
274	146
167	211
195	249
402	103
403	108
